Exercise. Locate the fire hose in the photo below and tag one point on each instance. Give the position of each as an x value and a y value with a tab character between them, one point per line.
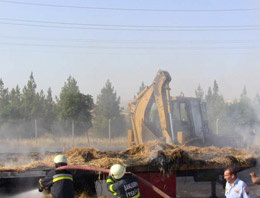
104	170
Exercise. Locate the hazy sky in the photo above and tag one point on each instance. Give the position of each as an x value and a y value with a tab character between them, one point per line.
128	41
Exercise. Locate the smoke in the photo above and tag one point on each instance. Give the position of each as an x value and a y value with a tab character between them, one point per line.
32	129
241	119
250	131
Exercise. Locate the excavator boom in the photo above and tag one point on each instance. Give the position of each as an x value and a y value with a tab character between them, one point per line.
139	109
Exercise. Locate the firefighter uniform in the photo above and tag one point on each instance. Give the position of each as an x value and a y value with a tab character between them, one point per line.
60	183
238	190
127	186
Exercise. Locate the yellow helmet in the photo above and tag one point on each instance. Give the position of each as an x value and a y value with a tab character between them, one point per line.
60	159
117	171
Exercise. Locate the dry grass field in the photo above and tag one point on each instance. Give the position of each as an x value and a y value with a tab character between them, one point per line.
49	143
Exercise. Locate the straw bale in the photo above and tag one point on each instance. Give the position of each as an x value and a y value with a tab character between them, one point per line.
82	155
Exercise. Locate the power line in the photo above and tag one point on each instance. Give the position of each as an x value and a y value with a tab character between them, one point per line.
132	26
134	41
128	48
127	29
130	9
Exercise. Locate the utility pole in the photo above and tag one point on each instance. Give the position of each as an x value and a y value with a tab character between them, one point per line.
109	130
35	130
217	126
72	133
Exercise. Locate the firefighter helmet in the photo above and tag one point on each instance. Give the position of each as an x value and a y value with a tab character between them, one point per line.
60	159
117	171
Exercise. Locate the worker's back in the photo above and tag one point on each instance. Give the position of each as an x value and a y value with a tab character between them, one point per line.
60	182
127	186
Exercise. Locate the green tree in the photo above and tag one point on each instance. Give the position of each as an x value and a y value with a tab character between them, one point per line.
67	108
49	111
243	95
75	107
199	93
14	113
30	100
257	99
244	111
32	107
141	88
4	102
209	95
4	94
215	88
216	107
108	108
239	116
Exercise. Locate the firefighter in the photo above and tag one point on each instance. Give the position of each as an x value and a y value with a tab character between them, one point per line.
121	184
59	182
235	188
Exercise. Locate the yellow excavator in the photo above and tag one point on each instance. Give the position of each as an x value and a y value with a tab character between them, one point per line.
156	115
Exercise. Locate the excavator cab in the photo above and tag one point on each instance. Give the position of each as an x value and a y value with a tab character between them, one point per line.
188	120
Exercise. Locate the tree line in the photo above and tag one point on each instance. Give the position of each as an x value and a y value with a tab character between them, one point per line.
239	116
25	111
22	110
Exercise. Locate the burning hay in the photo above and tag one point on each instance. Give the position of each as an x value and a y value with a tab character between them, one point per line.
160	156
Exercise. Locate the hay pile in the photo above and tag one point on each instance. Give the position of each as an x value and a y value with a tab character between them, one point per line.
166	157
158	155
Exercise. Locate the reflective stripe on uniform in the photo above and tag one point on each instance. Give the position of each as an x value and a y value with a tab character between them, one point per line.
109	180
40	182
111	184
111	188
136	196
59	177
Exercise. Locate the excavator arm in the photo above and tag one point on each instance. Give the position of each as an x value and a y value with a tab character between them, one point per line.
139	109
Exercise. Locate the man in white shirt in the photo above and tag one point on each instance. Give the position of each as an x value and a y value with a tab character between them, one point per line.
235	188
